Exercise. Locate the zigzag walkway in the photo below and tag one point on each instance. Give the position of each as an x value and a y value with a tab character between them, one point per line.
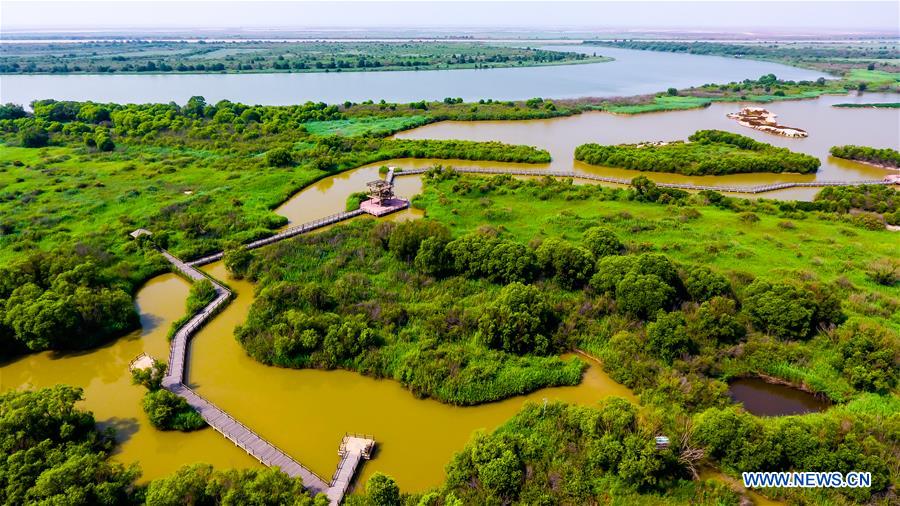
353	448
683	186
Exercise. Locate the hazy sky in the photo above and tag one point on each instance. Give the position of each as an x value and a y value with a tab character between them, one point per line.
848	16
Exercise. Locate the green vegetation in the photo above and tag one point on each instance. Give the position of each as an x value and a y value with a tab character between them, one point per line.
361	304
165	410
201	484
560	454
53	453
708	152
200	176
767	88
851	56
270	56
885	157
65	300
874	105
201	294
882	200
704	294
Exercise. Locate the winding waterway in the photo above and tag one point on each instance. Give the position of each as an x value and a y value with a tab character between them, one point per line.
632	73
827	126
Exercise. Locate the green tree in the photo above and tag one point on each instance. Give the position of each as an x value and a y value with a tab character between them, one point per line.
238	260
407	236
35	137
602	242
279	157
168	411
519	321
382	490
783	310
702	283
870	356
668	337
716	321
643	295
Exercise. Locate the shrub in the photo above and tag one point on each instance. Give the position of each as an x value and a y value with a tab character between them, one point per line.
407	236
715	320
702	283
279	157
870	356
668	337
643	295
35	137
519	321
783	310
884	271
602	242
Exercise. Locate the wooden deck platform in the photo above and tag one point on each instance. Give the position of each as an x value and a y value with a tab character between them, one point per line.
386	207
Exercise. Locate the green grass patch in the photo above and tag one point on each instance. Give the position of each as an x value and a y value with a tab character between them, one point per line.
365	125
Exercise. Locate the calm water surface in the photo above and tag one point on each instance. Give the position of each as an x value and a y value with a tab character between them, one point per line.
827	126
632	73
768	399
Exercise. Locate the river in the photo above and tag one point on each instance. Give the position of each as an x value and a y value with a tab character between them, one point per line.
632	73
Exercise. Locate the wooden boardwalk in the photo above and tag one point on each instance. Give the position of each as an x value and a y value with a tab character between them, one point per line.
247	440
352	450
284	234
682	186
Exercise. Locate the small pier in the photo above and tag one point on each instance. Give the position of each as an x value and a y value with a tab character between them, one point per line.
354	447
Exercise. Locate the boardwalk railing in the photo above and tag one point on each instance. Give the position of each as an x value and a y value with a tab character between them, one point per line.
285	234
262	450
615	180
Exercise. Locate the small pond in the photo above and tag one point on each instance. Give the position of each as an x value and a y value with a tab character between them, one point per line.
768	399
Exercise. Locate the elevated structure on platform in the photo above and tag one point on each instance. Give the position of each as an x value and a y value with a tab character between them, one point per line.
382	200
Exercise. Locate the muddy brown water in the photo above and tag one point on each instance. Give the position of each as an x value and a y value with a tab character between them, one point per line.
827	126
769	399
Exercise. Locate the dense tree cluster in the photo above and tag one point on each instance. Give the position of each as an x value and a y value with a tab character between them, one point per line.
201	484
709	152
165	410
364	309
740	442
269	56
61	302
52	453
560	454
884	156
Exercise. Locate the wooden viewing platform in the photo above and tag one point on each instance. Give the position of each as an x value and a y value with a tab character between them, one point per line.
682	186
